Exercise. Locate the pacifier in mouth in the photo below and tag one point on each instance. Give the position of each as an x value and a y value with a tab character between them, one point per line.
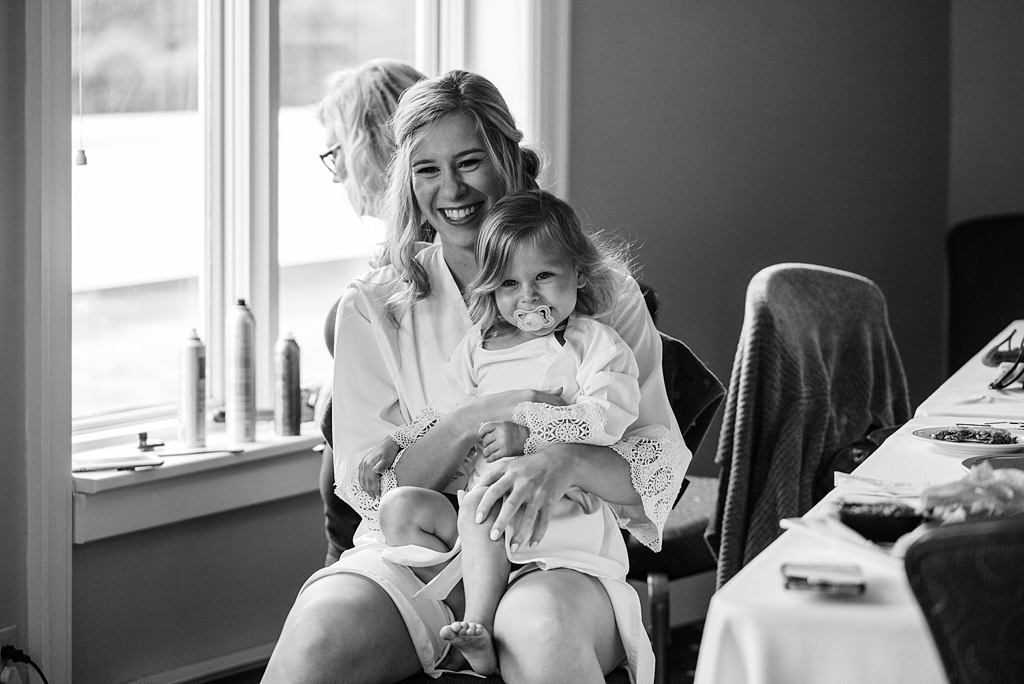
537	319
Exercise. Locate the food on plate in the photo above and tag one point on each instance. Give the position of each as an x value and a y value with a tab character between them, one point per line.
975	434
883	522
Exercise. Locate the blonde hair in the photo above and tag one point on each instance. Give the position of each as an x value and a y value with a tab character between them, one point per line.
517	166
536	217
356	106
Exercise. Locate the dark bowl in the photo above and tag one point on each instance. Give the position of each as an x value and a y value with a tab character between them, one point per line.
882	523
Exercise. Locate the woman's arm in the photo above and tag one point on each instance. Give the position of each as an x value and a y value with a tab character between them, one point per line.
433	459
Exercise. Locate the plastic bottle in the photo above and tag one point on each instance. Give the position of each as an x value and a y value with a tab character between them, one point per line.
240	402
287	388
192	392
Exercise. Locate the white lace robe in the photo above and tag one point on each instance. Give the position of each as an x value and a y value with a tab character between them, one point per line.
384	376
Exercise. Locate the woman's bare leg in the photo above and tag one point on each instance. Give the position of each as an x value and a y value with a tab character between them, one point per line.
343	628
485	570
556	626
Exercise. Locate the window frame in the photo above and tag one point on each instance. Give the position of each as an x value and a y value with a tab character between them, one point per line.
244	128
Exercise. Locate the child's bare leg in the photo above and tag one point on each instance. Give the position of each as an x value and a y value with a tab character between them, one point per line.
419	516
485	570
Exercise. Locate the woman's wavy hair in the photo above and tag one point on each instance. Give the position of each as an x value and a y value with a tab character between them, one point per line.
536	217
356	106
454	93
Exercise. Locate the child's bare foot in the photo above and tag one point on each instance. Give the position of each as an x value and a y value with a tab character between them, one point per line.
474	641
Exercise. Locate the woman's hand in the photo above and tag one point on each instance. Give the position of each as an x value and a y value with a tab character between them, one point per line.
374	463
530	486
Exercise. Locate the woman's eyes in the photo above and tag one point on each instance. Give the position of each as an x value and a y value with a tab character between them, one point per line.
429	170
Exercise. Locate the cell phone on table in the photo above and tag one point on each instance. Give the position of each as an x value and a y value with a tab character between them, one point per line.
832	579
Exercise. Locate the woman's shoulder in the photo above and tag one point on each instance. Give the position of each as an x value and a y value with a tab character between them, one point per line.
385	279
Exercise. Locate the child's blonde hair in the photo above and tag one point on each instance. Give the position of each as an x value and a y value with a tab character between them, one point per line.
533	217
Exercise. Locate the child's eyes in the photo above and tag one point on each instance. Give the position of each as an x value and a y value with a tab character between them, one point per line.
509	283
545	275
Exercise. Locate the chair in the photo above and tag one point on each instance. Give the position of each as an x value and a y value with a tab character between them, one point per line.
676	584
816	368
985	291
969	580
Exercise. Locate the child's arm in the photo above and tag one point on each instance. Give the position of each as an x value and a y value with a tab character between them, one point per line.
607	403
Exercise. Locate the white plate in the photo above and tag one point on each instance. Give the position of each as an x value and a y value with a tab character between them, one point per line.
967	448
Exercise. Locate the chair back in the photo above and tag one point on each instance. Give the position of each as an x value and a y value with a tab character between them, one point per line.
694	392
816	368
969	581
985	288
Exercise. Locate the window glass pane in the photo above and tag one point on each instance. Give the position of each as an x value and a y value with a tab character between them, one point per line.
322	244
137	211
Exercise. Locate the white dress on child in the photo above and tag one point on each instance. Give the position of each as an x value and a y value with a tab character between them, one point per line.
597	373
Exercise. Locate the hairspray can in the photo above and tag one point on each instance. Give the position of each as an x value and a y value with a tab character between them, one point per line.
240	402
192	392
287	389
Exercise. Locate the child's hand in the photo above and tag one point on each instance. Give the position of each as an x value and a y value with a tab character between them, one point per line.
374	463
501	438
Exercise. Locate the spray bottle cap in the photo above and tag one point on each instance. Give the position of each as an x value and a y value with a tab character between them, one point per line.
241	301
193	335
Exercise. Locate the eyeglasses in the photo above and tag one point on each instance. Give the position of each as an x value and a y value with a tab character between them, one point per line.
1013	358
328	158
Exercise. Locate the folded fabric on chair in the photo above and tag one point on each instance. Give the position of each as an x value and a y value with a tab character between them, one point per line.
816	368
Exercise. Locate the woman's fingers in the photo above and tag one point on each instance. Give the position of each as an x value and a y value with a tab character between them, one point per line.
526	526
540	527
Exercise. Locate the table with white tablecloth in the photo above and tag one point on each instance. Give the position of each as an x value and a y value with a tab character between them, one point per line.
759	632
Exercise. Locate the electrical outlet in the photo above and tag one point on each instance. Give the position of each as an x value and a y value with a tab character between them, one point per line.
9	636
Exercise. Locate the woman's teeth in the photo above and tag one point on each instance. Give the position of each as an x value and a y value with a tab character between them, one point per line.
459	214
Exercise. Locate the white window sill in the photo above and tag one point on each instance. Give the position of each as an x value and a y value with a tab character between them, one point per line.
112	502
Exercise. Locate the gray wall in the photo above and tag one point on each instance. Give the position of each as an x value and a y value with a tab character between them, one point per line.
726	136
13	600
986	146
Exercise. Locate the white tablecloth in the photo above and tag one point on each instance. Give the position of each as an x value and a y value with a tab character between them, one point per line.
966	394
758	632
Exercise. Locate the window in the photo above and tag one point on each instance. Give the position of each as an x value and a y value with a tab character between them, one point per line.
202	183
137	212
322	243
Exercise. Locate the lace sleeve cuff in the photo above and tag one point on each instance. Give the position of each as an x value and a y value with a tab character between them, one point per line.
347	488
581	423
654	460
409	433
